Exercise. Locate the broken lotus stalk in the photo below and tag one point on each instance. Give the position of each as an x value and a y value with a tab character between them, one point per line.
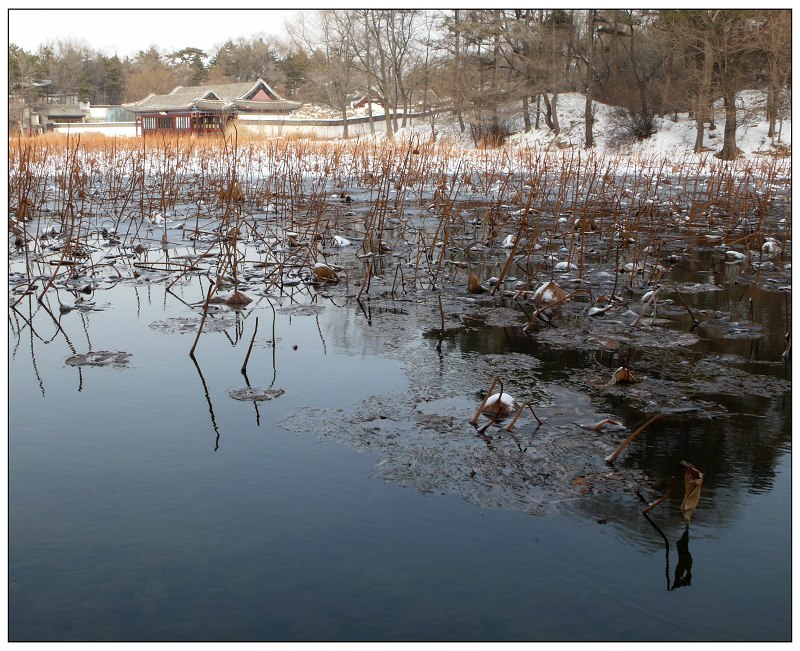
478	413
613	457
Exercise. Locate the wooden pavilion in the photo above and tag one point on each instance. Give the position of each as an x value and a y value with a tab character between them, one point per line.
205	109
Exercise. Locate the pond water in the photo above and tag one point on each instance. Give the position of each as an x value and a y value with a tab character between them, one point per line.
151	498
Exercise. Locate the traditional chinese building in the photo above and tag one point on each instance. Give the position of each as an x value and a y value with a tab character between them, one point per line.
206	109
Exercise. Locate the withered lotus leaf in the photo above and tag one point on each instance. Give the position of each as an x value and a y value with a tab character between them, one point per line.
692	482
324	273
238	298
622	374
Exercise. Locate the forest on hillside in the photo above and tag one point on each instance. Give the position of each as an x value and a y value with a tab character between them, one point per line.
475	62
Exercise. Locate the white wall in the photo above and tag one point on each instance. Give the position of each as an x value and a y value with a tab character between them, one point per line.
98	112
267	126
322	129
106	128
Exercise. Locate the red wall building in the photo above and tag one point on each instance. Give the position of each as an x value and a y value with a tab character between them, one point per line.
205	109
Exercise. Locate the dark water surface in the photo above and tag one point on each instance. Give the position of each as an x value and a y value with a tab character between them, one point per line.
147	504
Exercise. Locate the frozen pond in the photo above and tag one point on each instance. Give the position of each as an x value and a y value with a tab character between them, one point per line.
311	473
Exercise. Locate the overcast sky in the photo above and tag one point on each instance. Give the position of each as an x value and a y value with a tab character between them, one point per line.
126	31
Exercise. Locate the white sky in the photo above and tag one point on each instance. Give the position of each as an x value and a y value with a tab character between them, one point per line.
126	31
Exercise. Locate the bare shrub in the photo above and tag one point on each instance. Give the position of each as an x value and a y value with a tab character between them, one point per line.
490	134
629	126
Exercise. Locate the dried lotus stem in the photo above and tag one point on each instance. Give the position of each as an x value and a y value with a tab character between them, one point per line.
478	413
612	458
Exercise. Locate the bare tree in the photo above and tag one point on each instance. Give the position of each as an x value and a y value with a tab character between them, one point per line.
330	42
724	42
773	34
589	84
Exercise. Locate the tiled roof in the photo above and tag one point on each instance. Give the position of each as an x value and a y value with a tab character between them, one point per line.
62	111
230	95
267	107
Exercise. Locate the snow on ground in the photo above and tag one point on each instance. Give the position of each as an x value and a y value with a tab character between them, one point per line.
674	138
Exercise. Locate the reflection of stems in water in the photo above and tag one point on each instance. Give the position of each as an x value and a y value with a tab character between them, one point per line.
366	282
369	316
683	569
249	350
35	367
169	291
788	336
29	324
666	545
17	334
695	322
274	343
238	330
319	329
255	402
402	280
86	330
616	275
441	330
60	329
208	400
203	319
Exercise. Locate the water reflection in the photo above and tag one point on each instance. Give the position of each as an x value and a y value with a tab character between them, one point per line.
683	567
208	401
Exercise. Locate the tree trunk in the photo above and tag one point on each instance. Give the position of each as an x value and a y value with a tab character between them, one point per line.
369	68
538	109
459	94
704	97
369	113
666	95
588	119
344	122
698	139
496	70
551	116
548	116
587	109
554	108
772	97
706	102
728	151
526	114
387	116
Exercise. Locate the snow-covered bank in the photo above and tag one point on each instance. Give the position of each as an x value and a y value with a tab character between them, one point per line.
674	138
